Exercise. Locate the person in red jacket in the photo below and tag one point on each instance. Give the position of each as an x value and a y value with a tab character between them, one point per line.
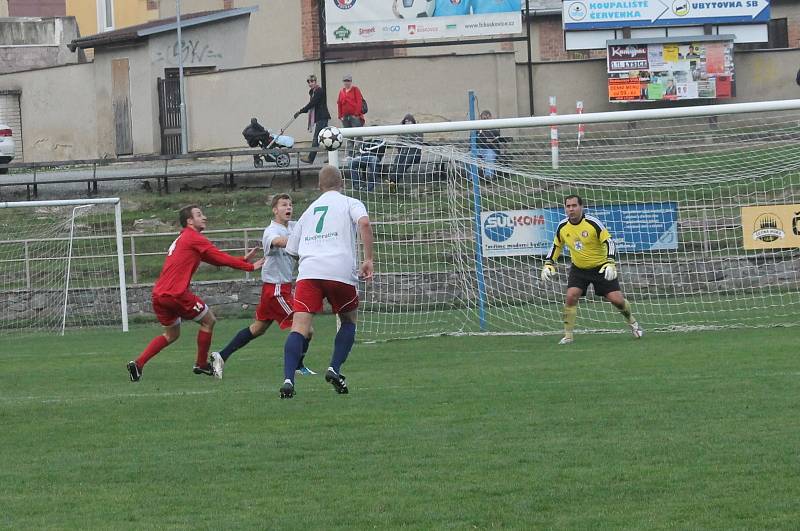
350	103
172	298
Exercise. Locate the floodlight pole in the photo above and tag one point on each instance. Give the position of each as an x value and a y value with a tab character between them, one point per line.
181	85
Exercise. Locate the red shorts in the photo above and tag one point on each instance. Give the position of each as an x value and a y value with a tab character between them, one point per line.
308	295
276	304
169	309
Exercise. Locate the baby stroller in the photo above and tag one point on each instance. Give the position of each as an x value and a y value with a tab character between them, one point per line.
257	136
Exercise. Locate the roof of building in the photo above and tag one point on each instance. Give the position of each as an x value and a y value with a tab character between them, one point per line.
141	32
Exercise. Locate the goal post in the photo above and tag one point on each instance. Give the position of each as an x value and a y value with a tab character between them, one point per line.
62	265
460	238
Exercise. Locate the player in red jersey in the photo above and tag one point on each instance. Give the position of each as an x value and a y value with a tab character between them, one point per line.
172	298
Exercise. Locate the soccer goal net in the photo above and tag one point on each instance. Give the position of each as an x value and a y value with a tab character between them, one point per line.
703	205
61	266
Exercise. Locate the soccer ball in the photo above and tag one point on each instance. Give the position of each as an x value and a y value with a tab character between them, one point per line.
330	138
414	8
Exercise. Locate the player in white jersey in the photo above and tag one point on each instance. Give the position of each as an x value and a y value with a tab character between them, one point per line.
324	240
276	292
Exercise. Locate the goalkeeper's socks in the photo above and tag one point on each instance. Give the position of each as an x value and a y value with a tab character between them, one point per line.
203	346
292	352
570	316
242	338
345	338
626	313
154	347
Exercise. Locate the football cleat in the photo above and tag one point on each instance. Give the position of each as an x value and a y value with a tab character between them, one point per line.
636	330
217	365
287	389
205	369
305	371
134	371
565	340
336	380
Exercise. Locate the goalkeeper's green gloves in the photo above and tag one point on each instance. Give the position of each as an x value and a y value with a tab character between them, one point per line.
609	271
548	271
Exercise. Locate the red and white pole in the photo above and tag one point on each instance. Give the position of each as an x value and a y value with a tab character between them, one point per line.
553	135
581	127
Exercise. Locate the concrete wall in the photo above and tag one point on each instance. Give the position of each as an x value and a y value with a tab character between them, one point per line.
58	112
269	42
760	76
30	43
432	88
3	8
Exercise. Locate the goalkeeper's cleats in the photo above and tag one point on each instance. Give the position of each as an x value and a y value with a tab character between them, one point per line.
203	369
636	330
217	365
134	371
287	389
609	271
565	340
336	380
548	272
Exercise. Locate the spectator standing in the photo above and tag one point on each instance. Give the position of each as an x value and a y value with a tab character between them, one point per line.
488	146
318	114
350	104
364	166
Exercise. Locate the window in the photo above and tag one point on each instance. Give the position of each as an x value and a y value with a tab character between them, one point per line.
105	15
777	33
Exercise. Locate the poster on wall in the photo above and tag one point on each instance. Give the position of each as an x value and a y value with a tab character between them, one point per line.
359	21
641	70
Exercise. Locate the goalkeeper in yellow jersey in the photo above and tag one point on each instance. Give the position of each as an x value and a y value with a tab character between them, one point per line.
592	252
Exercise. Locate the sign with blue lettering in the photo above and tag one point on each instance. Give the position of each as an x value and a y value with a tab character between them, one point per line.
634	227
605	14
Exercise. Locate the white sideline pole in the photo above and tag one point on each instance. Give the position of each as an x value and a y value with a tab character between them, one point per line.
553	135
575	119
123	295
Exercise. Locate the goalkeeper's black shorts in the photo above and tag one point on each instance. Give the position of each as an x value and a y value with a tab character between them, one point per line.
581	278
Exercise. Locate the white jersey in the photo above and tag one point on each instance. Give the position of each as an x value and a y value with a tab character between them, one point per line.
279	266
325	239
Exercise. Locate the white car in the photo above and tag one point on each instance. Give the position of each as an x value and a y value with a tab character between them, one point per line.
6	146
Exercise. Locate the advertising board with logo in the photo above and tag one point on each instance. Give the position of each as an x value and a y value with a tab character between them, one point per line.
654	70
356	21
634	227
607	14
771	227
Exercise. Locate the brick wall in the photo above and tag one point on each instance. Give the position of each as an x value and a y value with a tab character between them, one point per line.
309	10
551	40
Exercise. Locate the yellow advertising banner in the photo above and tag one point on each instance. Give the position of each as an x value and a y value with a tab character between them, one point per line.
771	226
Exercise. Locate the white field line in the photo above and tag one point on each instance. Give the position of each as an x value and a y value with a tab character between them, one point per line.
313	389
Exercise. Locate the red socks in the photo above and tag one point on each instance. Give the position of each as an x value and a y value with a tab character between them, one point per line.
155	346
203	346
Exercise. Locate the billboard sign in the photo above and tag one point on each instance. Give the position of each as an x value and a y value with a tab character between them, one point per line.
634	227
605	14
360	21
771	227
655	70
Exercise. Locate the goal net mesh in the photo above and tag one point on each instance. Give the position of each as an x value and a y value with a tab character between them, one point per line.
57	256
461	235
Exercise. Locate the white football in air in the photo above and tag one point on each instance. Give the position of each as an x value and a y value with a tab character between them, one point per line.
330	138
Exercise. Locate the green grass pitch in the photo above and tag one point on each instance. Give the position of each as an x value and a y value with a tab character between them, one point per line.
687	431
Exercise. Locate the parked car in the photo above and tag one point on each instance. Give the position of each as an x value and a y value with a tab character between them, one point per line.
6	146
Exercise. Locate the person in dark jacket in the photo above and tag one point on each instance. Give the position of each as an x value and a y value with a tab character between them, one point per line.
318	114
488	146
407	155
364	166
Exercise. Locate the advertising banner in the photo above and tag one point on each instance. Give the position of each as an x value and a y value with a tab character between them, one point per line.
634	227
669	71
359	21
606	14
771	227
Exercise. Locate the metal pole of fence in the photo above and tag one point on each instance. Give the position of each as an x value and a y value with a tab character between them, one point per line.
134	274
182	86
27	266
